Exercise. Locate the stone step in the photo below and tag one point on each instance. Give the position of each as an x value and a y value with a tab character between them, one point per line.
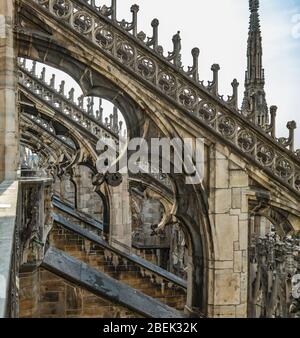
128	274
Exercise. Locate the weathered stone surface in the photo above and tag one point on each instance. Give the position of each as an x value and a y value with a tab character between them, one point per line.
236	198
225	312
227	288
222	173
222	201
120	234
104	286
226	235
237	261
8	109
227	212
238	179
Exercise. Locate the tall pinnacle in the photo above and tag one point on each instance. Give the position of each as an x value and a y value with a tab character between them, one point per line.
254	103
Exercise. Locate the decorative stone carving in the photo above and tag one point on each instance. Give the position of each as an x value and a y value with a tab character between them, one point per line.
273	262
35	220
63	104
113	180
178	251
246	141
181	86
226	126
265	155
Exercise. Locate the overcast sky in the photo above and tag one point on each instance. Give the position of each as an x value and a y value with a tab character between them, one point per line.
220	29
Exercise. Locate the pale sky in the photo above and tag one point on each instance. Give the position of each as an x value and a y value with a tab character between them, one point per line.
220	29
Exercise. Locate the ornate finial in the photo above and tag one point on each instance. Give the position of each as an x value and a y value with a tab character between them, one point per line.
134	10
62	88
273	112
254	5
254	17
90	105
80	101
175	56
115	119
194	70
52	81
292	126
43	74
214	85
235	83
215	68
155	23
233	100
254	103
154	40
33	68
195	52
99	112
290	141
71	95
177	41
120	127
128	27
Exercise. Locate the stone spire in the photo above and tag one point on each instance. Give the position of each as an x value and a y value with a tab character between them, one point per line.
254	103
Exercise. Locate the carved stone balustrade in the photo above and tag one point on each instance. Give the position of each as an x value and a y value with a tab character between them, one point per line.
67	107
166	75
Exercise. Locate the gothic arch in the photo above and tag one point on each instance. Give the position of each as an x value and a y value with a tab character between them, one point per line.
134	110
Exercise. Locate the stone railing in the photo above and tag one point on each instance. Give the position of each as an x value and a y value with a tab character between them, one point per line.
274	267
165	74
58	101
90	121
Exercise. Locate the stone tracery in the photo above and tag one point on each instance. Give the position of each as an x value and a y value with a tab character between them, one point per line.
179	229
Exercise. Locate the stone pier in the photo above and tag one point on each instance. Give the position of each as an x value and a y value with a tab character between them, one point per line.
8	111
120	222
229	215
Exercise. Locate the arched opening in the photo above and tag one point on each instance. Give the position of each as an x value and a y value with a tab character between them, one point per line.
134	119
98	108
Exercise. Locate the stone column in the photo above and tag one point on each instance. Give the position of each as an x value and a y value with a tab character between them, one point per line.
229	215
120	220
9	157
